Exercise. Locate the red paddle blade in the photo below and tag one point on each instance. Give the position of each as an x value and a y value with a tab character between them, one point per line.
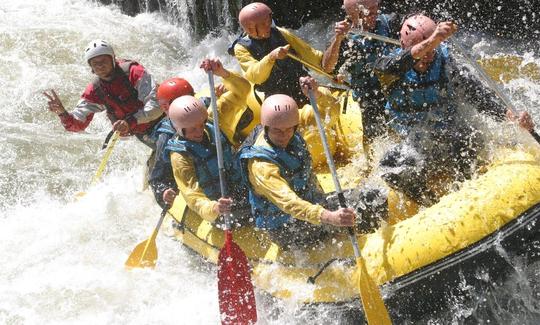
236	296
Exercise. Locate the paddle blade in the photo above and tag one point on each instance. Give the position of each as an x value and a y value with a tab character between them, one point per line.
372	301
236	296
144	255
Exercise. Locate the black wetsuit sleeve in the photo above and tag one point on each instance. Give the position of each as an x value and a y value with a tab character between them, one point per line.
342	56
161	177
466	82
393	66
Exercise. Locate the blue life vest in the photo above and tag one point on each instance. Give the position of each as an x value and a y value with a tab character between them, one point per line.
205	161
285	73
163	126
418	95
294	164
365	52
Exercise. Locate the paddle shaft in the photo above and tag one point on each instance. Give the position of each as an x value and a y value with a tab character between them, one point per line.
105	158
332	167
492	84
160	221
318	70
152	239
375	36
219	149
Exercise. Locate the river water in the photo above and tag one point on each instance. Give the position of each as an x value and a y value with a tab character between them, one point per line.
62	259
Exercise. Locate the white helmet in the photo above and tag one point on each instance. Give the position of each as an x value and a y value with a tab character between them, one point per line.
97	48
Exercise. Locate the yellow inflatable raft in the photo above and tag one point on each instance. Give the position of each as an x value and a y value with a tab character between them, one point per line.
432	240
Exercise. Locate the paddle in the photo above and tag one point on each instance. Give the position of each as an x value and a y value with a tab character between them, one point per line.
318	70
494	86
375	36
372	301
145	253
104	160
235	290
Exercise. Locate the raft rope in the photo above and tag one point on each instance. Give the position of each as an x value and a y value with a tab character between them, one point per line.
312	279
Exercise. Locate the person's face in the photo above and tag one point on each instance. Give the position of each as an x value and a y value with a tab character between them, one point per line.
425	62
281	136
195	133
164	105
258	28
102	66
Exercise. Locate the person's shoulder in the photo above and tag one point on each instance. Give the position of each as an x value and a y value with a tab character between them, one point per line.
90	92
135	68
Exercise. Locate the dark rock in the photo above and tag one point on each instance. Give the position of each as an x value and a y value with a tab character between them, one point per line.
510	19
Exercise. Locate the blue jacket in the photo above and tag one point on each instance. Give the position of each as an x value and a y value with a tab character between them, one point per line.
205	161
294	164
161	176
415	96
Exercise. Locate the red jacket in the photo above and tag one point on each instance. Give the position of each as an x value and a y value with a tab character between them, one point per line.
129	96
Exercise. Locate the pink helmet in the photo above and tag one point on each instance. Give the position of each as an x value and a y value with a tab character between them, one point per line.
416	29
255	11
279	111
187	111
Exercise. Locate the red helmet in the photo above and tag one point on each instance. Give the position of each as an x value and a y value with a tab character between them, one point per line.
187	111
280	111
171	89
416	29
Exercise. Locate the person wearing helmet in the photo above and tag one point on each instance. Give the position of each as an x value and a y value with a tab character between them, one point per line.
192	153
232	109
284	194
352	54
161	177
262	53
122	88
428	96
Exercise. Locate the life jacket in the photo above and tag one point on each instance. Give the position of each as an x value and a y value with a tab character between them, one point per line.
120	97
205	161
294	164
367	51
417	96
285	73
164	126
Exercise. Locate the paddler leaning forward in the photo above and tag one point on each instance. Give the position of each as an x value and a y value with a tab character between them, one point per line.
286	199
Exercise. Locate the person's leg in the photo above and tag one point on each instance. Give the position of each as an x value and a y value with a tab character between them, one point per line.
371	205
298	234
374	118
406	169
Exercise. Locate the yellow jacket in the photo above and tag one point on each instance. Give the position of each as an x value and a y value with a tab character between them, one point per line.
186	179
231	105
266	181
329	108
258	71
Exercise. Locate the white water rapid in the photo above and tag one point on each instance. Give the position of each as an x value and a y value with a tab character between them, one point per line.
62	260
